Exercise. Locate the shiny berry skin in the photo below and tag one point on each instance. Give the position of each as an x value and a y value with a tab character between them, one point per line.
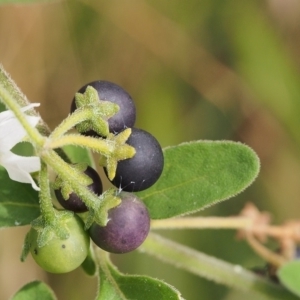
74	203
108	91
62	256
127	228
144	168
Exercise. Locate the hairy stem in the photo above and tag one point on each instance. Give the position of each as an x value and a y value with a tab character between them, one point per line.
106	277
79	115
98	145
11	96
203	223
70	175
46	206
211	268
12	89
34	135
245	223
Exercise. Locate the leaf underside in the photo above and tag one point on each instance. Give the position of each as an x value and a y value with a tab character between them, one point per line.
35	290
199	174
117	286
289	275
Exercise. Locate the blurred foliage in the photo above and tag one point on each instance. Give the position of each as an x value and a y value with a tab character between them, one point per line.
205	69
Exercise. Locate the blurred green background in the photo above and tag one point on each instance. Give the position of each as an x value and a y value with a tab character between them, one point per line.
198	69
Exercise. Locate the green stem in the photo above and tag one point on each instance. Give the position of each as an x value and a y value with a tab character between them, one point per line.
69	174
32	132
46	206
106	278
12	89
213	269
79	115
203	223
104	147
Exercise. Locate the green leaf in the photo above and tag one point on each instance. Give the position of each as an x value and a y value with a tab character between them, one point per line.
79	155
89	265
35	290
2	107
23	149
117	286
199	174
18	202
289	275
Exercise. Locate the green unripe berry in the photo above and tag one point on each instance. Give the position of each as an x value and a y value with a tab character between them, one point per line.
62	256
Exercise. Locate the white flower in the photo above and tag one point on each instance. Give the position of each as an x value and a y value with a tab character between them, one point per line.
11	133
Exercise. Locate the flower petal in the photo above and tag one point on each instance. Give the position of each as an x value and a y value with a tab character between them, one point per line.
11	133
8	114
19	167
31	105
11	130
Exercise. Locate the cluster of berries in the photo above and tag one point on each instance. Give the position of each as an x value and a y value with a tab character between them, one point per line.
129	222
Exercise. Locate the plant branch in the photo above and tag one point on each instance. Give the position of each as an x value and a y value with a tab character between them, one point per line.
105	276
98	145
203	223
10	102
79	115
46	206
13	90
271	257
212	268
246	224
69	174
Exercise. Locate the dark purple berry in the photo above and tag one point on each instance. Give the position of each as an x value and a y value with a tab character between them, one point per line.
144	168
127	228
108	91
74	203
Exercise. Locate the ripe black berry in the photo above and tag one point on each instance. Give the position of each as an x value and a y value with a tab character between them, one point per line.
144	168
74	203
127	228
125	118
